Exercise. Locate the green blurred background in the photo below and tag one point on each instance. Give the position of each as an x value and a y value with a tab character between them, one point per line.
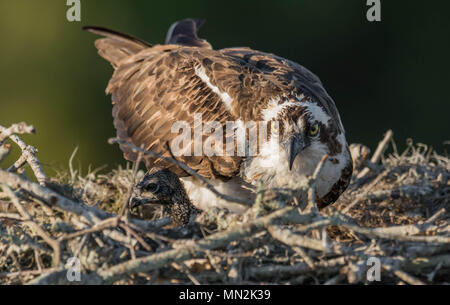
388	74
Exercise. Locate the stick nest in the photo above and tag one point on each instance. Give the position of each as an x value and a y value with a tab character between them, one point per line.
395	210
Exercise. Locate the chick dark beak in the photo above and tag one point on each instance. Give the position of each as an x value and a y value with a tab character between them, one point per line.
293	147
137	201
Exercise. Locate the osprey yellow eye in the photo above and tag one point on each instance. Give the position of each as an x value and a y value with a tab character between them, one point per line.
274	127
314	130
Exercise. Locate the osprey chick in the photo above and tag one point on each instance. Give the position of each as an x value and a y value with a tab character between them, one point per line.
155	87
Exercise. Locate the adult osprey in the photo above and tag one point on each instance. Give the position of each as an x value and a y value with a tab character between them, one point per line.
155	86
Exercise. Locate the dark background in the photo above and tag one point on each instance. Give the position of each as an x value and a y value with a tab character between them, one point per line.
388	74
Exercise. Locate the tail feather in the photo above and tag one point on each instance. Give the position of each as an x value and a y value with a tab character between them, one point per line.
184	32
116	46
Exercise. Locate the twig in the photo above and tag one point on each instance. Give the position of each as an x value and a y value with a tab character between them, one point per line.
5	149
19	128
275	272
378	152
312	205
28	151
28	220
71	171
12	216
38	260
403	275
335	280
136	236
367	189
103	225
182	268
26	272
389	233
296	240
130	187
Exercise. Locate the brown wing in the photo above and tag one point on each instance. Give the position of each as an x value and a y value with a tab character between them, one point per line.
116	46
289	77
158	87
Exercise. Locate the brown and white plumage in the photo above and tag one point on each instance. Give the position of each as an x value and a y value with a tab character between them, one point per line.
159	185
155	86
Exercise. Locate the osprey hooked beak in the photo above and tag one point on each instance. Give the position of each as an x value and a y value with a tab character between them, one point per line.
294	145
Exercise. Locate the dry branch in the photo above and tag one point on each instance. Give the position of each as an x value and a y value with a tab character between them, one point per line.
28	220
378	153
28	152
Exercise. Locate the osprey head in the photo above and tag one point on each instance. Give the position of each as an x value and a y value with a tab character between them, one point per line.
304	133
299	136
306	129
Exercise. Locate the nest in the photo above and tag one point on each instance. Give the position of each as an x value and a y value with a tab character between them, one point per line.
391	226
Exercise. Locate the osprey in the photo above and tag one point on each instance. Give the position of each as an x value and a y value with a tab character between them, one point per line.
155	86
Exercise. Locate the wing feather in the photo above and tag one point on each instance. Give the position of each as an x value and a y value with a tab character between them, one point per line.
147	104
158	86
